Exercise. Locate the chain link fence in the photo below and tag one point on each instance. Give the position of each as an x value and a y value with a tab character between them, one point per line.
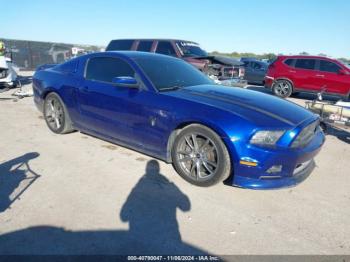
27	55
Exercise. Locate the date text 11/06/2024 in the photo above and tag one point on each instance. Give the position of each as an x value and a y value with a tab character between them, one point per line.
173	258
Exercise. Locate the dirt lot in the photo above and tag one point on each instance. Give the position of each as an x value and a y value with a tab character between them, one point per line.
75	194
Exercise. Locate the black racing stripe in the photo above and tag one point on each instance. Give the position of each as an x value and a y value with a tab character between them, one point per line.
227	100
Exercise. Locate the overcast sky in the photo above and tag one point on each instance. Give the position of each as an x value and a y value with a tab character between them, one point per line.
259	26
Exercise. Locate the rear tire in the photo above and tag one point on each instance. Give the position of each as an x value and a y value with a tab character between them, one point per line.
56	115
200	157
282	88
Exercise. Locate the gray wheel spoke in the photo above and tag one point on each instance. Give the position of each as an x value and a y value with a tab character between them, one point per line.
188	142
198	169
185	159
192	168
195	143
207	167
57	121
211	163
181	152
52	107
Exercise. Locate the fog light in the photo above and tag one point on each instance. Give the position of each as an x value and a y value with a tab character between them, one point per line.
274	169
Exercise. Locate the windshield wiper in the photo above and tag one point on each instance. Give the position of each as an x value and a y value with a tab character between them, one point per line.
171	88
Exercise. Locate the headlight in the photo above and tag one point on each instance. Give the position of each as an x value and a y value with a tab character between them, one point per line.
266	138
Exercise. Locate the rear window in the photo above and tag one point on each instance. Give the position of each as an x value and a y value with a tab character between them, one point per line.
289	62
117	45
327	66
165	48
145	46
305	63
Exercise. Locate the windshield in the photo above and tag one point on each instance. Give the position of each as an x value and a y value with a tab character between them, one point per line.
168	73
190	49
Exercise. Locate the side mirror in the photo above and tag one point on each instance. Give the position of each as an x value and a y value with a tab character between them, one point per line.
125	81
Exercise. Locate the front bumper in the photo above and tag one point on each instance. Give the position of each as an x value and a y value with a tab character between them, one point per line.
297	165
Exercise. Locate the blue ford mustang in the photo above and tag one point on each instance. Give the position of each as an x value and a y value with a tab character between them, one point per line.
166	108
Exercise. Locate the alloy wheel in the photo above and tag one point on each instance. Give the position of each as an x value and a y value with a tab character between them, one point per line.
197	156
54	113
282	88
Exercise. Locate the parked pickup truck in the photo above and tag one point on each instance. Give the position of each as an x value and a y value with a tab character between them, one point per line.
217	67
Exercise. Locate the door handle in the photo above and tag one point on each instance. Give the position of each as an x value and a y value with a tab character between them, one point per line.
320	75
292	71
85	88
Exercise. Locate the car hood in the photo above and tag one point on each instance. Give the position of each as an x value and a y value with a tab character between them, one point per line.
244	102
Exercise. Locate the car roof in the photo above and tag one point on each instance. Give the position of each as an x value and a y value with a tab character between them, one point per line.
131	54
306	57
153	39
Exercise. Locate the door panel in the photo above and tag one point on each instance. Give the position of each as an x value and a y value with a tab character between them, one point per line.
304	75
331	79
108	110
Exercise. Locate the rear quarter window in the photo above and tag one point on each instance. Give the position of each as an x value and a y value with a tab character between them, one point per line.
289	62
118	45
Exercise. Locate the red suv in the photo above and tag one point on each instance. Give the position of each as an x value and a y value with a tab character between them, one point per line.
288	74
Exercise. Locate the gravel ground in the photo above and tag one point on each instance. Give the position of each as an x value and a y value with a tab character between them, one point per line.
75	194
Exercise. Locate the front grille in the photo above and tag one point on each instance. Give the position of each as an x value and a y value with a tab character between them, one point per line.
230	72
306	135
3	73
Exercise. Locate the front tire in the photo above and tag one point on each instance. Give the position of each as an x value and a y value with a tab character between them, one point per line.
200	157
56	115
282	88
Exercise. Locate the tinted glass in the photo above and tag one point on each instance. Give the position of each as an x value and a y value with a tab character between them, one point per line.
328	66
256	66
165	48
116	45
145	46
191	49
167	73
305	63
106	68
289	62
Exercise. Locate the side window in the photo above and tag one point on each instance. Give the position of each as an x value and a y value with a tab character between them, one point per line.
327	66
106	68
145	46
256	66
116	45
305	64
246	63
289	62
165	48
